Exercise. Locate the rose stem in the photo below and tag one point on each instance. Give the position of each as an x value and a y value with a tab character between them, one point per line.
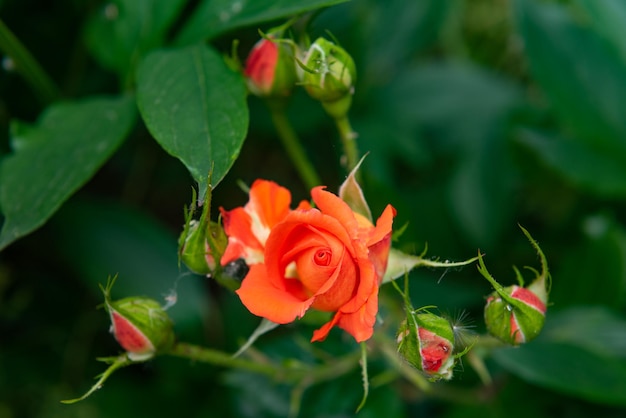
313	374
348	140
293	146
219	358
27	66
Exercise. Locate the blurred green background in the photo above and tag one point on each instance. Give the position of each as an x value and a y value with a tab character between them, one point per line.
477	115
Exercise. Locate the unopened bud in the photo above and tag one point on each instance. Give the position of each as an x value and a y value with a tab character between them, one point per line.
516	314
140	325
516	318
329	72
270	68
202	241
426	341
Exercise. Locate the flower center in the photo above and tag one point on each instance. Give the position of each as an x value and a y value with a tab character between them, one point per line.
322	257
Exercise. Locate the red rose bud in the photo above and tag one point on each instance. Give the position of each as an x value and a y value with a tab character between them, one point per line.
516	314
139	324
426	341
329	75
270	68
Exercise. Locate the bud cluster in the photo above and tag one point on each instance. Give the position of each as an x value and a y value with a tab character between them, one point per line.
275	65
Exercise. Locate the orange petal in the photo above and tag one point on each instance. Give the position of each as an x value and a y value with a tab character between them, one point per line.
367	284
334	207
322	333
383	226
360	324
242	243
263	299
269	201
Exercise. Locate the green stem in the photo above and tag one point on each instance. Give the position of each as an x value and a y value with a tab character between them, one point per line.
313	374
364	376
293	146
348	141
219	358
390	353
27	66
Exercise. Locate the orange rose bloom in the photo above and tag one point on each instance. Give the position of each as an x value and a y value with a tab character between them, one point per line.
328	258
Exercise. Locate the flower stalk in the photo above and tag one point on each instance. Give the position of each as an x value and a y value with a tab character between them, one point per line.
28	66
348	141
293	146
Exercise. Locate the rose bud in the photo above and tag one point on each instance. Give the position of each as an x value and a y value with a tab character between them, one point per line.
139	324
201	240
270	68
516	314
426	341
196	251
329	71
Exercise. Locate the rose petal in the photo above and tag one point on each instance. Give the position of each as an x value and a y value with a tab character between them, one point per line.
336	208
269	201
383	226
261	64
248	227
344	281
280	305
360	324
368	284
242	243
322	333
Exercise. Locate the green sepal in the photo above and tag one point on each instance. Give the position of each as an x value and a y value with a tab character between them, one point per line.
114	363
350	192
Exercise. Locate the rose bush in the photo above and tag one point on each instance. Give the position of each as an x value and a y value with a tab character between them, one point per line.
328	258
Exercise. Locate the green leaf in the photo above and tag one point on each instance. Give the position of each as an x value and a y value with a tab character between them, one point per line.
393	32
608	18
586	167
441	98
215	17
592	269
56	157
580	352
580	72
123	31
195	107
